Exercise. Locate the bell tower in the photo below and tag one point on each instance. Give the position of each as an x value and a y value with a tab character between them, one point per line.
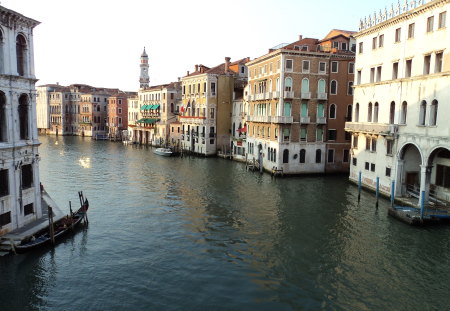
144	79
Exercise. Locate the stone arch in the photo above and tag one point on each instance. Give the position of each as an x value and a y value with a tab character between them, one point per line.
21	54
409	169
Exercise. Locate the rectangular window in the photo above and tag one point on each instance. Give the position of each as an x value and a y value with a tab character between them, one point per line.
374	43
350	88
305	67
430	24
332	134
378	73
303	134
28	209
381	41
411	30
351	67
388	171
4	183
443	176
395	71
319	134
213	88
372	75
398	33
330	156
360	50
355	142
346	156
367	143
372	167
408	68
367	166
358	77
334	67
354	161
426	64
438	64
211	113
335	44
442	19
344	46
374	145
5	219
389	147
27	176
289	65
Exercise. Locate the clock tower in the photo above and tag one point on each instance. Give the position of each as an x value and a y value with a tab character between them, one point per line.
144	79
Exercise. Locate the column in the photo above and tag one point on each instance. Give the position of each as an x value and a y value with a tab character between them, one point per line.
425	176
399	181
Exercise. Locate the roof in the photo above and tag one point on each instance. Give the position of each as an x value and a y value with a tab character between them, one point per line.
219	69
10	18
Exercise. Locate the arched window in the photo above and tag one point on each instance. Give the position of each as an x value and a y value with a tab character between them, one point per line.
348	117
21	47
305	85
433	112
3	128
357	112
332	111
2	68
274	158
423	112
392	113
333	87
269	152
288	84
369	113
376	108
404	112
321	86
318	156
286	156
302	155
23	117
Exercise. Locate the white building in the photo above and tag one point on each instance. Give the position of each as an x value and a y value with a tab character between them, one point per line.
20	199
401	128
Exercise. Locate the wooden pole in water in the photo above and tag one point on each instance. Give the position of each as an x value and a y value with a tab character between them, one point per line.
377	193
70	208
359	186
50	224
392	193
422	205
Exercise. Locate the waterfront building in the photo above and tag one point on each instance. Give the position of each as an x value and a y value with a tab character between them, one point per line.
117	118
133	116
20	197
205	114
400	127
300	95
238	124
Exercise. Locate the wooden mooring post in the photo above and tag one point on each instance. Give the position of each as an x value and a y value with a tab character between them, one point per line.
377	191
392	193
359	186
50	225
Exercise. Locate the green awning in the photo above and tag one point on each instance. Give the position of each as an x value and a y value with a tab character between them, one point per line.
155	107
147	121
143	107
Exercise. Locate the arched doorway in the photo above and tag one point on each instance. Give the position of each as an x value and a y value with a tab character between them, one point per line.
409	171
438	169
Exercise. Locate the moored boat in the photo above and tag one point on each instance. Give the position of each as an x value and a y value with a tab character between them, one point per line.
165	152
61	227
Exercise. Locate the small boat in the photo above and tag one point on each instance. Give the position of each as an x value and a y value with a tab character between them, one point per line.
165	152
61	227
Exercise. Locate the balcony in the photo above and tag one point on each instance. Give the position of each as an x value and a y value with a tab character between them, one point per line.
249	98
265	119
260	96
371	128
282	119
321	120
305	120
288	94
276	94
306	95
194	120
322	96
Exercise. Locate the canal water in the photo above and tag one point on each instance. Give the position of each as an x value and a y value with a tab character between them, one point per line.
204	234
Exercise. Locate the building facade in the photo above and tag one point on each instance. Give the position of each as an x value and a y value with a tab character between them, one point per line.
299	94
400	127
117	118
20	198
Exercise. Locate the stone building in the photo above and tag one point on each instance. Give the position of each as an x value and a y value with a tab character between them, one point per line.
400	127
205	114
20	198
300	95
117	118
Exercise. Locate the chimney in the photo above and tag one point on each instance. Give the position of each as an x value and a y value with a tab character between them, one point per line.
300	37
196	68
179	79
227	63
187	73
57	83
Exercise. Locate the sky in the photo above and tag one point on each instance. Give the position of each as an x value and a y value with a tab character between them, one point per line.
99	42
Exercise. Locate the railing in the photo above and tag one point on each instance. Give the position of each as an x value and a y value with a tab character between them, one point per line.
276	94
249	97
306	95
305	120
282	119
268	95
371	128
259	96
288	94
259	119
194	120
321	120
322	96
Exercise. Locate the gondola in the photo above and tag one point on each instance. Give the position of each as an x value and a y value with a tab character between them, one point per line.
61	227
